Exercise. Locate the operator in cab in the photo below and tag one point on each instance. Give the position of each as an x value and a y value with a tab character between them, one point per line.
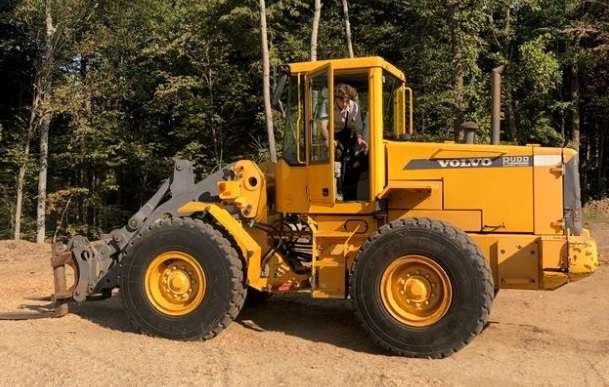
351	147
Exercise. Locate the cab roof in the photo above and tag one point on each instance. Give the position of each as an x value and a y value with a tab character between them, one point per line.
348	64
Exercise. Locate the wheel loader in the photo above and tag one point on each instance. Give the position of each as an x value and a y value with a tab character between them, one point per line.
424	238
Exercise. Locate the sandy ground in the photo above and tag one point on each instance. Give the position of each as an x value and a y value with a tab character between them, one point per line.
540	338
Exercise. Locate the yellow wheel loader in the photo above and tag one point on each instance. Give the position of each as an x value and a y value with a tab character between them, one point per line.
421	238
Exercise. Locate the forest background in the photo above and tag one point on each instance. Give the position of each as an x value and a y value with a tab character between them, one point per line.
100	97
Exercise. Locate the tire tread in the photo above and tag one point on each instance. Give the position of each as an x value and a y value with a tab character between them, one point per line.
464	242
238	289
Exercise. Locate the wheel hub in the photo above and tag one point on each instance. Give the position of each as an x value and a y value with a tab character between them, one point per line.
175	283
179	282
416	290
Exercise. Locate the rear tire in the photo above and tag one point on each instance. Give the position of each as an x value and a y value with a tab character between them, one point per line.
182	279
394	279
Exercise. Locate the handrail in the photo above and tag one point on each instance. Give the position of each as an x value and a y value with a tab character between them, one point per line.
410	107
298	120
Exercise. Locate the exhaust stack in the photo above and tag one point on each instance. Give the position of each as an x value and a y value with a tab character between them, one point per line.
496	104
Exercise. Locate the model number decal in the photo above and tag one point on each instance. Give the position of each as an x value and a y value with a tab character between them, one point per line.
516	161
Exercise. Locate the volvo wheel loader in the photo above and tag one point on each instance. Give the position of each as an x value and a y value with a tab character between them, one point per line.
428	235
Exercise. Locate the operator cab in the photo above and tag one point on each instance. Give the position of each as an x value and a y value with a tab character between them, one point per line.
319	170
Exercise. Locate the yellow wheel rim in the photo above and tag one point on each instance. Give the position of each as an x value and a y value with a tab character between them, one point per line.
416	290
175	283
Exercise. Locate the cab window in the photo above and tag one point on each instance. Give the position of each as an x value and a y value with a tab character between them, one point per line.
293	121
320	113
393	107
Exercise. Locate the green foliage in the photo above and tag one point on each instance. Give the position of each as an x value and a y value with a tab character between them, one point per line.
540	69
140	83
544	133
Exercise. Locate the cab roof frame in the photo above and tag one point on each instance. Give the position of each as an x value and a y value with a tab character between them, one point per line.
348	64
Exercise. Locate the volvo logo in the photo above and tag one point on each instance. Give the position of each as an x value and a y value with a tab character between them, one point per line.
466	163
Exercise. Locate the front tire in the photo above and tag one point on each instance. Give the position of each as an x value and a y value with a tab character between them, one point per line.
421	288
182	279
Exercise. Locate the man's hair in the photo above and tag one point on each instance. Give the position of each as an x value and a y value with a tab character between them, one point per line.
343	90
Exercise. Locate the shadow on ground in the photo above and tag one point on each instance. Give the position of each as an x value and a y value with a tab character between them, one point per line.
325	321
107	313
321	321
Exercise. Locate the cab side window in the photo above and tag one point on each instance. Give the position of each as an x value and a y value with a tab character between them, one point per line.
320	113
393	106
294	140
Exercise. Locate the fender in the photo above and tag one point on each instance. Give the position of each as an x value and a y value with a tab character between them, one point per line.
249	247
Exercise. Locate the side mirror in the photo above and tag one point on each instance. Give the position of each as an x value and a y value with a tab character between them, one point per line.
284	71
276	99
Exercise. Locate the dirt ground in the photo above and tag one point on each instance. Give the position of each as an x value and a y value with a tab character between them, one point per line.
541	338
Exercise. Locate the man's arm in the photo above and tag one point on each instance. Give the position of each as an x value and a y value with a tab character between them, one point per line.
322	120
323	125
358	126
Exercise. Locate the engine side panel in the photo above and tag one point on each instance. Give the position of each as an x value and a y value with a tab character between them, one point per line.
494	180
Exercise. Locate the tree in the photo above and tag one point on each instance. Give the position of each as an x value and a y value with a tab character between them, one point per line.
465	21
39	116
136	84
459	70
21	175
347	28
266	83
315	29
46	66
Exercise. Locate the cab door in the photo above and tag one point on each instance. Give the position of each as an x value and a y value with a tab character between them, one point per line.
319	108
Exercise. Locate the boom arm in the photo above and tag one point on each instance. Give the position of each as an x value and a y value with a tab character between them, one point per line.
96	263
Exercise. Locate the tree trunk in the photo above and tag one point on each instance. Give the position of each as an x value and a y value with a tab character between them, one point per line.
23	165
348	28
266	83
509	111
575	121
600	170
458	81
45	120
315	29
20	184
42	180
